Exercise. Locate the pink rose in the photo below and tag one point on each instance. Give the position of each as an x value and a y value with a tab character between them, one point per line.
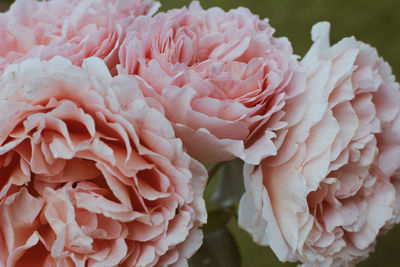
92	175
332	187
75	29
221	77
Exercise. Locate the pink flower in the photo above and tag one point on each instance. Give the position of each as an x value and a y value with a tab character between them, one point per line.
90	174
221	77
332	187
75	29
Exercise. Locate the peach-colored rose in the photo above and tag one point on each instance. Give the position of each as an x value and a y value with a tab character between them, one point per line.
331	189
221	77
91	175
75	29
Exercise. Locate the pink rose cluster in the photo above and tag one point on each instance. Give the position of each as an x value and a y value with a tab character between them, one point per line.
109	111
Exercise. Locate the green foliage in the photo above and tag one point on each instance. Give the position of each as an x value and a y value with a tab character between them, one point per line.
219	249
217	219
222	195
230	186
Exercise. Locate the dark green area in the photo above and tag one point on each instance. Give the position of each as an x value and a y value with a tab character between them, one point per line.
373	22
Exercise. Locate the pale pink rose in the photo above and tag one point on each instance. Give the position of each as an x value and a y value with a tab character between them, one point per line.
331	189
75	29
91	175
221	77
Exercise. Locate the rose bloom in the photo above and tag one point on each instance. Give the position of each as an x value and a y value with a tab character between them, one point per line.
75	29
221	77
332	187
91	175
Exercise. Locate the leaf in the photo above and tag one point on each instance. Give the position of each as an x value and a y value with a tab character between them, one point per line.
230	185
219	246
219	249
217	219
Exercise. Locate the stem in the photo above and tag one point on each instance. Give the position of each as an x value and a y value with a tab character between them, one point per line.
213	170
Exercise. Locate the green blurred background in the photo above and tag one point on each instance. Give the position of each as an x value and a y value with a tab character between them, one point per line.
374	22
